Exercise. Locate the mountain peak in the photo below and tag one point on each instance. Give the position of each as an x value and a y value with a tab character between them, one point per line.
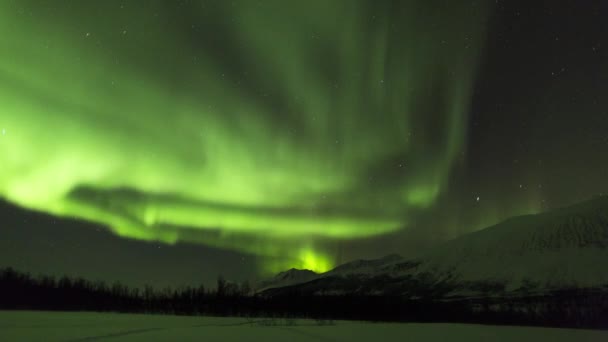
294	273
290	277
561	248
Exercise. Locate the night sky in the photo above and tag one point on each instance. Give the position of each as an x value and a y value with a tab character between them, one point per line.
167	142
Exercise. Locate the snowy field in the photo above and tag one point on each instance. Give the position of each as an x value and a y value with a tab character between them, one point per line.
70	326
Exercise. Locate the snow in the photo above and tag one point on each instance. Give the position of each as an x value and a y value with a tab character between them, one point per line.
563	248
87	326
289	277
366	267
566	247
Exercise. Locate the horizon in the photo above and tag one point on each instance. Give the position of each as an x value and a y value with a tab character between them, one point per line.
258	279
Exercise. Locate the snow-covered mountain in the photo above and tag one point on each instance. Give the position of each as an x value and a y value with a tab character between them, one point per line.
564	248
287	278
567	247
369	267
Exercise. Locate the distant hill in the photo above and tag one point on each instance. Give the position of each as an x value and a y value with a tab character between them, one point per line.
566	248
286	278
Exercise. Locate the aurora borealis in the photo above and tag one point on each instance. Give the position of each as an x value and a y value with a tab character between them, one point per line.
282	130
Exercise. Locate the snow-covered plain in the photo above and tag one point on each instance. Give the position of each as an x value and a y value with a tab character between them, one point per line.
86	326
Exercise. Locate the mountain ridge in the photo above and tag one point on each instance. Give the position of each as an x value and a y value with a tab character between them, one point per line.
562	248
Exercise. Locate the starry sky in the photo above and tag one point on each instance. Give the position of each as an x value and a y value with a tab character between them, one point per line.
167	142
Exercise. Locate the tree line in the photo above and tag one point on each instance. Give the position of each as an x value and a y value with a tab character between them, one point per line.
569	308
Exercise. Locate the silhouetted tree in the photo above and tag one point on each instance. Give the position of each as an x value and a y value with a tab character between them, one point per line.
582	308
221	286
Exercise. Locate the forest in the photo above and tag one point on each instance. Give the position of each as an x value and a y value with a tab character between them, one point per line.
574	308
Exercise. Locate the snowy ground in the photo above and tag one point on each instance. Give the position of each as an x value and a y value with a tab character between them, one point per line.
70	326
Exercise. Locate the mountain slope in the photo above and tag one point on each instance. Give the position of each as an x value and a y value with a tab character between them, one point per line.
563	248
287	278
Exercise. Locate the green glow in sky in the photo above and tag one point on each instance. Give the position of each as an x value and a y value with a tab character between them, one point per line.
256	126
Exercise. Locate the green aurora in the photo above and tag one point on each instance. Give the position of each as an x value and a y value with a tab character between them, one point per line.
264	127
